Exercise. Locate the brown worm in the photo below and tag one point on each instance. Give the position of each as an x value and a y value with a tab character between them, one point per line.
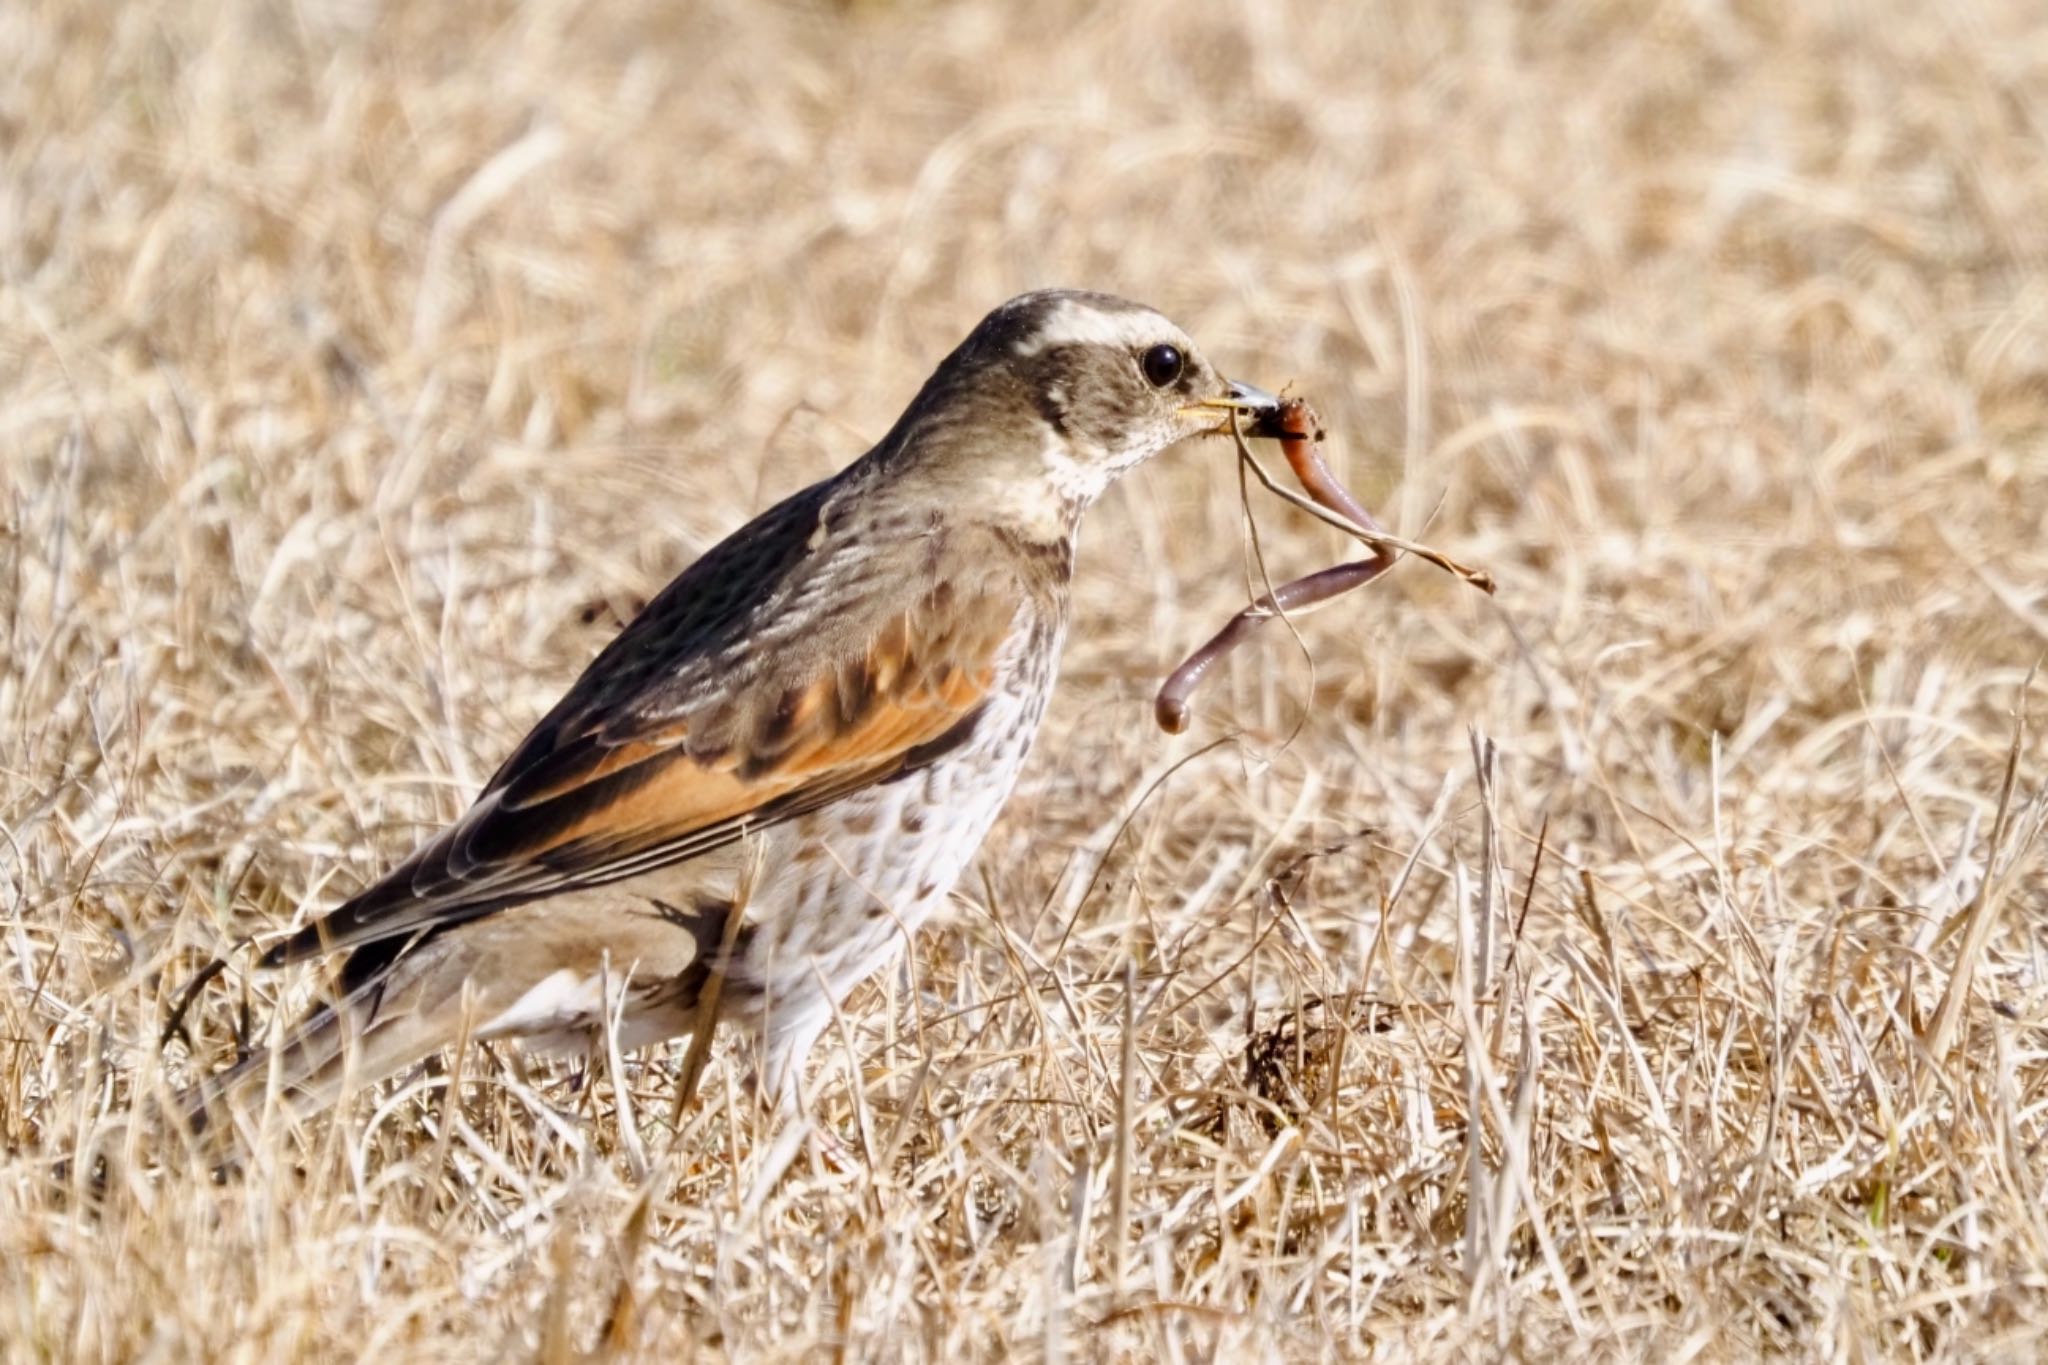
1299	432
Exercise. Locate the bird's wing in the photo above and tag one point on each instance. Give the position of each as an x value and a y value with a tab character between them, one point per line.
674	743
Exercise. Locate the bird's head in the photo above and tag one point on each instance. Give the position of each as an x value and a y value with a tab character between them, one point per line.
1056	393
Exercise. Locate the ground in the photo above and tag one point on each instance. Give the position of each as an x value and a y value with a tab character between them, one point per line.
1646	962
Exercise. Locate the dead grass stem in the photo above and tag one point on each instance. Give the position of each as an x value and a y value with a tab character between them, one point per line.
361	366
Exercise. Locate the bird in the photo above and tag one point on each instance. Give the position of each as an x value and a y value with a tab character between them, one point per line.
772	777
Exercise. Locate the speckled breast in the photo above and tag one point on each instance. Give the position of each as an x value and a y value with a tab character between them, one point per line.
844	888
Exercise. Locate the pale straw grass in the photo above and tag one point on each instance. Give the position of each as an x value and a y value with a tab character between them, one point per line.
360	365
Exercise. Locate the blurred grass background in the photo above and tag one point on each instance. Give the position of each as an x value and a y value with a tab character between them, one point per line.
361	365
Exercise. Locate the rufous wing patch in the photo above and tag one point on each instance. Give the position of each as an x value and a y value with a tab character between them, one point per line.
622	795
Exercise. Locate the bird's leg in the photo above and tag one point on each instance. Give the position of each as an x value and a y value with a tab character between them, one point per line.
778	1085
779	1081
709	994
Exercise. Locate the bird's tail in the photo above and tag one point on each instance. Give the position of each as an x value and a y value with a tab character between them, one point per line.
409	1006
544	975
339	1044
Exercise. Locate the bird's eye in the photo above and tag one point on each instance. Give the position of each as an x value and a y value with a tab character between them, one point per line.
1162	365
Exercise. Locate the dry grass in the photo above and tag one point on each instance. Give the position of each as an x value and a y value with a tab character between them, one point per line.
358	362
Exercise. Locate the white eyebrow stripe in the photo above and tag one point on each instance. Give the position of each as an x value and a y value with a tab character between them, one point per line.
1074	324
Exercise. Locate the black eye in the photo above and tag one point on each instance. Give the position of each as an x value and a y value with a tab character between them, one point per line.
1162	365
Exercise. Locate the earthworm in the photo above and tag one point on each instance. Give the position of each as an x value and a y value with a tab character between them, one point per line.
1299	432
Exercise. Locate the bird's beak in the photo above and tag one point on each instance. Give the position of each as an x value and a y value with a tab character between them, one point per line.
1257	406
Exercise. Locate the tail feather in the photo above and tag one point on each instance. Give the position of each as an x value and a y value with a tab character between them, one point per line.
520	972
337	1045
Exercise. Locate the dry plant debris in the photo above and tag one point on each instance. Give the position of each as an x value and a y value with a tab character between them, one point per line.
350	355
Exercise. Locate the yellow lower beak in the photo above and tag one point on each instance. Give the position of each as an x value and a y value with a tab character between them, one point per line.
1254	403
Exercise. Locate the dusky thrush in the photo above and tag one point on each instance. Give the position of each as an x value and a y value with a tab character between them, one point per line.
807	733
